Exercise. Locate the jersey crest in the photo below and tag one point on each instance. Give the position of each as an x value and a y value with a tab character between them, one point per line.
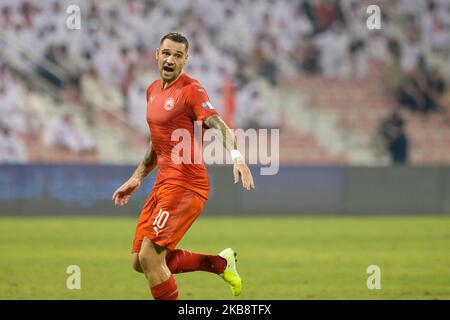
169	104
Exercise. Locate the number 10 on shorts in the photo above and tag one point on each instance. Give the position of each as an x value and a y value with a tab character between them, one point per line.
160	220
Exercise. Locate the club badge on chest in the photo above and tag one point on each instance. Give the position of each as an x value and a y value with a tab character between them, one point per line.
169	104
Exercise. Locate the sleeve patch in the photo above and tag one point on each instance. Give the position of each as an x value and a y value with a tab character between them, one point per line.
207	105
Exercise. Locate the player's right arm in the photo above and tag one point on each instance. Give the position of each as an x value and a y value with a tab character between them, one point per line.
124	192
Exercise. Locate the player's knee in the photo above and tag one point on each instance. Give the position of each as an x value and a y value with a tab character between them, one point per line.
151	257
144	261
147	258
137	267
136	264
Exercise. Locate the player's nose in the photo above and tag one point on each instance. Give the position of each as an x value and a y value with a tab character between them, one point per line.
170	60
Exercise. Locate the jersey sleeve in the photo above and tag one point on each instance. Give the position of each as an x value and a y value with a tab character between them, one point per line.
199	102
149	90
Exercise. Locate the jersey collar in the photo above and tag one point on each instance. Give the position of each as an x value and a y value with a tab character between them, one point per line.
182	74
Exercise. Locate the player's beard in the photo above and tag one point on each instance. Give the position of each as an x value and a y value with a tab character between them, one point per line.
169	77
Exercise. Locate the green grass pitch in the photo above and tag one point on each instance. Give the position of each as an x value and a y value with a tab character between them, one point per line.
279	258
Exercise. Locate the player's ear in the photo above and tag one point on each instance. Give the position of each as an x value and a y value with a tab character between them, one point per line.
157	54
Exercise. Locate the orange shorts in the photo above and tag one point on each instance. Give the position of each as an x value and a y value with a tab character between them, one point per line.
166	216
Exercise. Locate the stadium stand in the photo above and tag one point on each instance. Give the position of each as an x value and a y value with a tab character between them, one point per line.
311	68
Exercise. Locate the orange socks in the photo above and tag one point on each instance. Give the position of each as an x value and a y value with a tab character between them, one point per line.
166	290
180	260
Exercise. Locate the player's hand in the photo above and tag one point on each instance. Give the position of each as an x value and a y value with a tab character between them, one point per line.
124	192
241	170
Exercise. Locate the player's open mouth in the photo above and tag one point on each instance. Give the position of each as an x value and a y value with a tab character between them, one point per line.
168	69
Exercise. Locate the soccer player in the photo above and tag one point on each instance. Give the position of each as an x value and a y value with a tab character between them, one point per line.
177	101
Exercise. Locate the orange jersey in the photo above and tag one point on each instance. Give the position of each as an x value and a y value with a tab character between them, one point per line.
178	107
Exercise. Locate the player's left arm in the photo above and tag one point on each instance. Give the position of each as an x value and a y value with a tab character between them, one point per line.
240	168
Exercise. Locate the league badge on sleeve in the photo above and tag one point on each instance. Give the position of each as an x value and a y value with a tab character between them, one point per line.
207	105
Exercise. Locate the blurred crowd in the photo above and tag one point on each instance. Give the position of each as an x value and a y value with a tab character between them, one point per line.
259	44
